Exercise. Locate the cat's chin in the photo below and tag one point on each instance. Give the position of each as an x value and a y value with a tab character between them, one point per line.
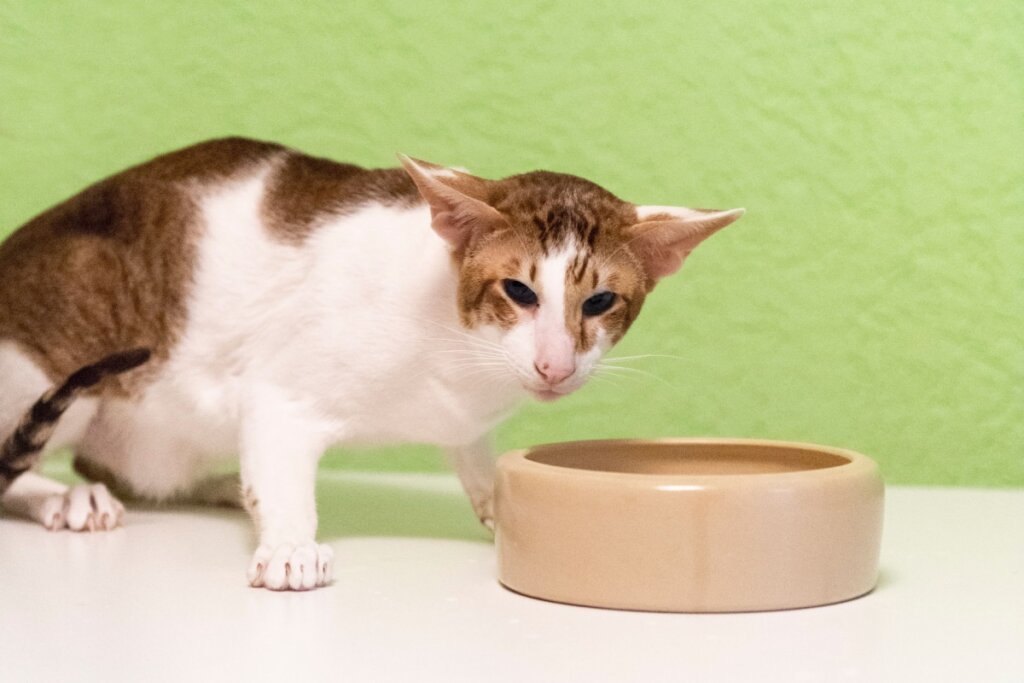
547	395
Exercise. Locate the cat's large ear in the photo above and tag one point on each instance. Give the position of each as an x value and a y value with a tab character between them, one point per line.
457	201
665	235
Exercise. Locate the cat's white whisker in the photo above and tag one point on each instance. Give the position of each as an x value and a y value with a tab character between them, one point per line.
464	336
613	359
608	379
481	374
477	364
469	353
634	373
462	333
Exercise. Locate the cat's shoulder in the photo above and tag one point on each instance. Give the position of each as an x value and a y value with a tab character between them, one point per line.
300	189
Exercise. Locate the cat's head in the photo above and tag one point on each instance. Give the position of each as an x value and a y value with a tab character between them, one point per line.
554	267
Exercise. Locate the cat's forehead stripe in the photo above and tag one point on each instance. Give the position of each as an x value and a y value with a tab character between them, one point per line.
579	266
561	224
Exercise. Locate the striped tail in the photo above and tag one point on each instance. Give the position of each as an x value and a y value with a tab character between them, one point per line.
22	448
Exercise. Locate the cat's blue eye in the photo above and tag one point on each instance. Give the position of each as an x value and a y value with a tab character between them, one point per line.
599	303
520	293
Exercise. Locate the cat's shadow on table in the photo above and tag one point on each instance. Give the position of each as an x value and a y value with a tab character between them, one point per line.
365	507
362	506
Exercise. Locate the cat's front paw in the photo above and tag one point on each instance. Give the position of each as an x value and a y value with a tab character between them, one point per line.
288	566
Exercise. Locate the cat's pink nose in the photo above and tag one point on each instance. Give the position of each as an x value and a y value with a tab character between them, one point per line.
553	373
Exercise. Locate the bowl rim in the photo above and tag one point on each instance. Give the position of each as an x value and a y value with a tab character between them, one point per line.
518	461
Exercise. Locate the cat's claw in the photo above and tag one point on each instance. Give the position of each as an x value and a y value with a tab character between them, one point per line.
484	510
86	507
291	567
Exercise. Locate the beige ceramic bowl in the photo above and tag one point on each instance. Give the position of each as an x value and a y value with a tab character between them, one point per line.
688	525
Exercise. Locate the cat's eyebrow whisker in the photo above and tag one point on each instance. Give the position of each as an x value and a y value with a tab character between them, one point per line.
622	246
519	237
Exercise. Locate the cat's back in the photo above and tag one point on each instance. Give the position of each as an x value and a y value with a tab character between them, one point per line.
111	268
122	206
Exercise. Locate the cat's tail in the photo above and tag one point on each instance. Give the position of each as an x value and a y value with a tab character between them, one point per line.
22	448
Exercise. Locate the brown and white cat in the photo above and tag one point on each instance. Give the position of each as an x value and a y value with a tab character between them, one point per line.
240	297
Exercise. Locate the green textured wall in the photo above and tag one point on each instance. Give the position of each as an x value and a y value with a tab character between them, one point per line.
872	297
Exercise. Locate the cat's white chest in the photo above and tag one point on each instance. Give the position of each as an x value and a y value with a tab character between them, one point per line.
359	322
430	412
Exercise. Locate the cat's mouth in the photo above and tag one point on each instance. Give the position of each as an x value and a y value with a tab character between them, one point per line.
546	393
549	395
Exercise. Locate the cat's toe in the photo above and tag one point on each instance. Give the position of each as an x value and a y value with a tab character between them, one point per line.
51	513
78	512
484	509
86	507
107	510
291	567
258	565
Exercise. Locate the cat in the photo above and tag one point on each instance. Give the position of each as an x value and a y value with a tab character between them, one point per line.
241	297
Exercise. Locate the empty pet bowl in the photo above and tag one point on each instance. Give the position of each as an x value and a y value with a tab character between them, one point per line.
688	525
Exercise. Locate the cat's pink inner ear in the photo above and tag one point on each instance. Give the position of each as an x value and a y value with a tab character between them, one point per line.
665	235
455	198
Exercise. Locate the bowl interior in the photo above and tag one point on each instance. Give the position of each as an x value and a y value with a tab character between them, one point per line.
695	459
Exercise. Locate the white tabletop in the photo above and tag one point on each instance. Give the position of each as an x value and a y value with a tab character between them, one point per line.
415	599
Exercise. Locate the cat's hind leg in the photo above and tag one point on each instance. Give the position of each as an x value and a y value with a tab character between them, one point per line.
33	496
85	507
223	490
